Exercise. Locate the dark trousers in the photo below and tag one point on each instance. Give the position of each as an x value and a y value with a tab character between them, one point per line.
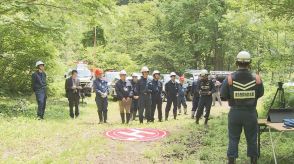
171	100
242	119
156	102
182	101
134	107
102	104
204	102
145	105
195	103
41	100
74	101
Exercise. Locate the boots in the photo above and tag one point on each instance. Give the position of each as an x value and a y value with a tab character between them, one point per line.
185	111
206	120
122	115
175	116
100	117
128	116
105	117
231	160
193	114
197	120
253	160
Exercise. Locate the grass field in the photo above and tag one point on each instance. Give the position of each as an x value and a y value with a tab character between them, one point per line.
59	139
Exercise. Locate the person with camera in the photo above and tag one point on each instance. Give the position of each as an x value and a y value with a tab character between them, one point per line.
73	88
242	90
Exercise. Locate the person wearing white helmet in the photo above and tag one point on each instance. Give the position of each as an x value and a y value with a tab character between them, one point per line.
242	89
171	90
135	103
156	96
144	90
124	91
205	88
39	85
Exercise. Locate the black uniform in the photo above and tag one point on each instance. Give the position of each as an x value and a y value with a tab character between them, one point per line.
135	102
171	89
73	96
196	97
205	88
39	86
156	99
144	89
123	89
242	90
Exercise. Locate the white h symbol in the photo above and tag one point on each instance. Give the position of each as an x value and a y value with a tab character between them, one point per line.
135	134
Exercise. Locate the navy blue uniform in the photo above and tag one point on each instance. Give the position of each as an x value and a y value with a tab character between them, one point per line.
205	88
156	99
135	102
242	94
39	87
144	89
196	97
100	86
171	89
182	97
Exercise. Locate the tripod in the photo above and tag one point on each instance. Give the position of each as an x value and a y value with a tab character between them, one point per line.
281	96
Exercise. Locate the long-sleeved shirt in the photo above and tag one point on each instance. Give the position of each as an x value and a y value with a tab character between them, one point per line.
172	88
144	86
100	86
39	81
123	89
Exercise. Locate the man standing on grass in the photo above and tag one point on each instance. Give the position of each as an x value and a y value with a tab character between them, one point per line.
72	88
39	87
156	96
135	103
242	89
196	97
171	89
205	88
182	97
144	90
216	94
124	91
101	88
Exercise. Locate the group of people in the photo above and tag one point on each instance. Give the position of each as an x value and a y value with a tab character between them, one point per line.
241	89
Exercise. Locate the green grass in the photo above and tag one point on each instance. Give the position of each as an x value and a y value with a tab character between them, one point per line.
59	139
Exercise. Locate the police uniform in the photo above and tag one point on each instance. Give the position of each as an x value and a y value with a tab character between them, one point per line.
205	88
39	87
101	88
135	102
144	90
196	98
124	90
156	99
182	98
171	89
242	89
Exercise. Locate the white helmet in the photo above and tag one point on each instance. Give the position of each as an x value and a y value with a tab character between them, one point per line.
173	74
243	57
204	72
155	72
39	63
135	75
144	69
123	72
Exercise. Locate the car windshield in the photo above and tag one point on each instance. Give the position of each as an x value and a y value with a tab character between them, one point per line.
110	76
84	73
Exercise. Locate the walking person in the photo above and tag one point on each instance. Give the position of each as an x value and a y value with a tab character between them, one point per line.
144	90
39	85
196	97
124	91
101	89
242	89
72	88
156	96
205	88
171	89
135	103
182	96
216	94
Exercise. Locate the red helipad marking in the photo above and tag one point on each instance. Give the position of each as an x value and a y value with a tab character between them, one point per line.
136	134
